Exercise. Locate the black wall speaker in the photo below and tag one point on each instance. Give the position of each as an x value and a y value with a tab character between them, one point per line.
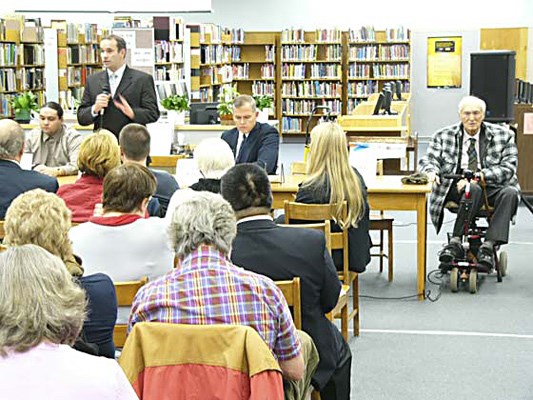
492	78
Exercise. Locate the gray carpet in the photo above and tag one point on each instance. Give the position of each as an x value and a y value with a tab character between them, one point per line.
462	346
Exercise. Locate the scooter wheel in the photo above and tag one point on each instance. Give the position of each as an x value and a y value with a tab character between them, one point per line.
472	281
454	279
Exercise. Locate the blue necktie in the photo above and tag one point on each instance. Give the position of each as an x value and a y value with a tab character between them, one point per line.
241	148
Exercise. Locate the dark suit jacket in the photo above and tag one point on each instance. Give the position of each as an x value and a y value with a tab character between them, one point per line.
261	146
283	253
359	241
138	89
15	180
166	186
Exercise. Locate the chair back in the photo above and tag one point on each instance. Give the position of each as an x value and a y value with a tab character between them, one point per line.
175	362
291	292
324	227
126	292
2	232
323	212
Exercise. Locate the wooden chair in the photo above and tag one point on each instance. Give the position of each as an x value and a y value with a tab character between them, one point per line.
379	222
342	304
339	241
126	291
291	292
2	232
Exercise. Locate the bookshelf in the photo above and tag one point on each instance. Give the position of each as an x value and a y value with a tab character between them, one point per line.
253	60
215	68
21	60
311	69
169	33
374	58
78	54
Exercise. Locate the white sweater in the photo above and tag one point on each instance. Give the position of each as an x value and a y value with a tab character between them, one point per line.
125	252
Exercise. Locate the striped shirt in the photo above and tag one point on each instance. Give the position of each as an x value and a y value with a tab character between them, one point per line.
208	289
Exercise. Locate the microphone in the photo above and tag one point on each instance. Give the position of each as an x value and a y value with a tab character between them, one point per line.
107	91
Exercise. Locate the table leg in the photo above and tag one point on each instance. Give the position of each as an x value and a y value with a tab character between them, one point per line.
421	223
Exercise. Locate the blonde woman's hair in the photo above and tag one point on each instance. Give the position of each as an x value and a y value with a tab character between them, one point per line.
38	300
99	153
41	218
328	161
213	157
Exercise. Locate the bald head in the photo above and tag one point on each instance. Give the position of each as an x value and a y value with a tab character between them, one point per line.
11	140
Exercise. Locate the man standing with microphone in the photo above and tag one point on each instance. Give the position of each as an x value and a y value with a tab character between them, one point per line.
118	95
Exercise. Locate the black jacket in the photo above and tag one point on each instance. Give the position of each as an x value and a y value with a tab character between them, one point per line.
283	253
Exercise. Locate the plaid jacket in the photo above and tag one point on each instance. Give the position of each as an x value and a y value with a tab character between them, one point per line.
499	160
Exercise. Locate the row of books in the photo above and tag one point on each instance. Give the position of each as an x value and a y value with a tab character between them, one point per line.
32	54
326	71
363	34
241	71
362	89
304	107
166	51
298	52
399	71
71	98
270	53
82	54
311	89
8	54
87	32
263	88
268	71
8	80
32	79
6	110
328	35
291	125
172	73
237	36
77	76
214	54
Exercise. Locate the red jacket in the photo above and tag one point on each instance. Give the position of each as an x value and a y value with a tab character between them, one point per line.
179	362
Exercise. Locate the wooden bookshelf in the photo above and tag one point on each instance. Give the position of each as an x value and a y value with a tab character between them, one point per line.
169	33
374	58
253	60
311	74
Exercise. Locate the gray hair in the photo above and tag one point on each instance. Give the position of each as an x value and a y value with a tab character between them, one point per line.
202	218
11	139
245	100
472	101
213	157
38	300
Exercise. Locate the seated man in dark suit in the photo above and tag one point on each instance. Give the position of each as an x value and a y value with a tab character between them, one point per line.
252	141
135	148
13	179
282	253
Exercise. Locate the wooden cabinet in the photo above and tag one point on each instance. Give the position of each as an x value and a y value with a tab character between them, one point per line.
524	143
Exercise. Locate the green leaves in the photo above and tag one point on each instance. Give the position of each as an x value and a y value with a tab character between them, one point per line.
262	102
176	102
26	101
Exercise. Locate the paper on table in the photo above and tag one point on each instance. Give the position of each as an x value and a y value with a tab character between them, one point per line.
161	136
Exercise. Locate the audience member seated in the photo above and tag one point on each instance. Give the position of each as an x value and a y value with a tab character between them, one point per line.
208	289
41	314
122	243
213	157
54	146
99	154
135	147
13	179
41	218
285	253
331	179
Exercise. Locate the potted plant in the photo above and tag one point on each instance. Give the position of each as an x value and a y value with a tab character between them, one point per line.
226	97
23	104
176	105
264	104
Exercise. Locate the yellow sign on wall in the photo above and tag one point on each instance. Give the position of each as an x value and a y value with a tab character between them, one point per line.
444	62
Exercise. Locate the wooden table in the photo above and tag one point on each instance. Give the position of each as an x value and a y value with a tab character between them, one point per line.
385	193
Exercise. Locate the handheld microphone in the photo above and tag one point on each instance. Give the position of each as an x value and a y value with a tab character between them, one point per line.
107	91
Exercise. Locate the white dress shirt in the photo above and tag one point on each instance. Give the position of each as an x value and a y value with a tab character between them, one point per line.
466	145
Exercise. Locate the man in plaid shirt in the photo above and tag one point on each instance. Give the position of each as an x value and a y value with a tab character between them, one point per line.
206	288
489	150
